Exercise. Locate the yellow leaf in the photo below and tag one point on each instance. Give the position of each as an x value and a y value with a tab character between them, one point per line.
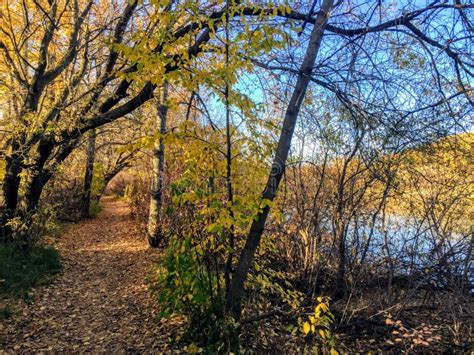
306	327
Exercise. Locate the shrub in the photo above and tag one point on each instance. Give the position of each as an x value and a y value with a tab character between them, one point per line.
20	271
62	199
184	287
95	208
319	325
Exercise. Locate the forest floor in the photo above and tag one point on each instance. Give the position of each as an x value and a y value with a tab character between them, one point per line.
99	301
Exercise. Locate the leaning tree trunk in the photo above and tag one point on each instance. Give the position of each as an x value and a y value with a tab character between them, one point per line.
89	173
235	293
41	173
154	233
35	185
39	177
107	179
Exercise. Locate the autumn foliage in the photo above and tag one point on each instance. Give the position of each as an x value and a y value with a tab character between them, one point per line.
302	170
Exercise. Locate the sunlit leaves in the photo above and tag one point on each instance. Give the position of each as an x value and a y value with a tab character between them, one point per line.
320	324
306	327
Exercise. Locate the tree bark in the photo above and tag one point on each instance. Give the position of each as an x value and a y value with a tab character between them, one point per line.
88	175
236	290
10	187
154	233
44	173
39	177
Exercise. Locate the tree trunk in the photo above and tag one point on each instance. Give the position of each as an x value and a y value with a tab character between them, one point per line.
33	193
236	290
35	186
39	177
43	174
228	156
107	179
154	233
86	196
10	187
341	288
33	189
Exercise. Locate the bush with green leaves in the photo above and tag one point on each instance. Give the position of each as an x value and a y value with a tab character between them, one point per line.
186	286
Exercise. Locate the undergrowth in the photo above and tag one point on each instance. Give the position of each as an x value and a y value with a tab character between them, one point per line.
20	271
95	208
183	287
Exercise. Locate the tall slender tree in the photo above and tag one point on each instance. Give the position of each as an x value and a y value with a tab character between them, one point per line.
155	234
236	288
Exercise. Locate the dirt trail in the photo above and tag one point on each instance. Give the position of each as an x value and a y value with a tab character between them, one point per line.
99	302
